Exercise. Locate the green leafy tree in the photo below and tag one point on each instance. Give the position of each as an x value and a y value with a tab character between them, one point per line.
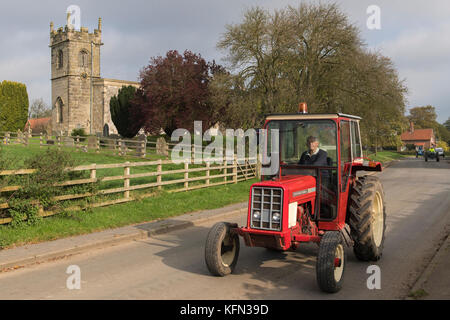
425	117
447	124
308	53
120	107
13	106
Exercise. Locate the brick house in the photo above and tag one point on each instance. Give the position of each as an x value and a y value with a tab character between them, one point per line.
38	125
418	137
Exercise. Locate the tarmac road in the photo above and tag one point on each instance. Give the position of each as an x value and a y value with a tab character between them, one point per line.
171	266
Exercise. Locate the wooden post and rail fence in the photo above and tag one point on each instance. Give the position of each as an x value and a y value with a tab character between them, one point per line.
139	147
194	176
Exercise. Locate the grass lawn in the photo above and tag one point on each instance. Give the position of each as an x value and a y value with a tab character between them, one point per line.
385	156
19	154
161	206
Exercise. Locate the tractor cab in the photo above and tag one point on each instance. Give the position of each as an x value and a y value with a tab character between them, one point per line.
313	195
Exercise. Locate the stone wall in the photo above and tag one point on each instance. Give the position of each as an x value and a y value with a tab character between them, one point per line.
105	89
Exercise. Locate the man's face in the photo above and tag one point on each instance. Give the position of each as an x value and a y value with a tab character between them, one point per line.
313	145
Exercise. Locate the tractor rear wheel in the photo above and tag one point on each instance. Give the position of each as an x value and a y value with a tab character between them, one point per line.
367	218
221	249
331	261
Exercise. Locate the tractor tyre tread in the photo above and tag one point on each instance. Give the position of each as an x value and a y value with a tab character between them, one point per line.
361	201
325	262
213	246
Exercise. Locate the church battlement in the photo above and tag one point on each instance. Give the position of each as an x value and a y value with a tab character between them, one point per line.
69	33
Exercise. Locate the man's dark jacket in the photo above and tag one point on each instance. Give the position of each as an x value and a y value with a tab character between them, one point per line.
318	159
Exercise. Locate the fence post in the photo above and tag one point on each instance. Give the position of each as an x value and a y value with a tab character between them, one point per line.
159	176
97	146
126	181
235	171
258	166
7	137
58	137
41	140
94	171
208	165
186	174
225	170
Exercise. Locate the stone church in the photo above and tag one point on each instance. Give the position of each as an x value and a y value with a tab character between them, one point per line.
80	96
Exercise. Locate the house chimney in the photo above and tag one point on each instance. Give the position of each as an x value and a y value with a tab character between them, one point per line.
411	126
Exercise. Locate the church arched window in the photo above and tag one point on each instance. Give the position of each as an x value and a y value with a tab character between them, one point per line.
59	110
84	59
60	59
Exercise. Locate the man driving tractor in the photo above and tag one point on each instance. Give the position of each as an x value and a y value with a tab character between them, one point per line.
314	156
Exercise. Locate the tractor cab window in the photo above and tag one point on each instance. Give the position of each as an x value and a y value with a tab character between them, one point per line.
356	141
308	147
306	142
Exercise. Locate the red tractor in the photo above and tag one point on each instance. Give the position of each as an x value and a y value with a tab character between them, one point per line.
315	196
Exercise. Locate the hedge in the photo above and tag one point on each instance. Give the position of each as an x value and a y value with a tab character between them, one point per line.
13	106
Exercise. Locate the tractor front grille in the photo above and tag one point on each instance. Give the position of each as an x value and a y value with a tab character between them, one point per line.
267	208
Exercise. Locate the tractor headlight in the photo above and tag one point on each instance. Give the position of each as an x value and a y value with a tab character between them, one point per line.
276	217
257	215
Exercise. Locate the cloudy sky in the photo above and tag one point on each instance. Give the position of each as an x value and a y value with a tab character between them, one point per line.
414	33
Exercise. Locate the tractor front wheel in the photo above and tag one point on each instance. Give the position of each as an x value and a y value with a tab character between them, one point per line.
367	218
221	249
331	261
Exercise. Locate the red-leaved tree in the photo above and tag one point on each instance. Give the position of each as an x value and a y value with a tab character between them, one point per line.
174	93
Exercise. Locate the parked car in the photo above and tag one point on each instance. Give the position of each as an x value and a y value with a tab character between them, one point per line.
440	152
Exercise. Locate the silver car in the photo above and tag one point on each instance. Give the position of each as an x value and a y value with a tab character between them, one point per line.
440	152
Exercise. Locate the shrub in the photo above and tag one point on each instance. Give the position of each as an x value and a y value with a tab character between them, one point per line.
79	132
39	189
13	106
120	108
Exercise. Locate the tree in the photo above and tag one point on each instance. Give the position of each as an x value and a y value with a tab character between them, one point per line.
13	106
310	53
39	109
425	117
121	107
447	124
175	92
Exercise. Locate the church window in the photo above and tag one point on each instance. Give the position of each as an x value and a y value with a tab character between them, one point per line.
84	59
60	59
59	110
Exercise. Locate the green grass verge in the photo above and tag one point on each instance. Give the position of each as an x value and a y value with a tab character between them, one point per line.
385	156
164	205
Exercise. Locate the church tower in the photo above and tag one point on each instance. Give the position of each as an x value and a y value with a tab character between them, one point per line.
75	67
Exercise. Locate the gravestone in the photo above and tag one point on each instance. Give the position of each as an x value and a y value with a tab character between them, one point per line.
68	141
162	147
141	146
92	142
